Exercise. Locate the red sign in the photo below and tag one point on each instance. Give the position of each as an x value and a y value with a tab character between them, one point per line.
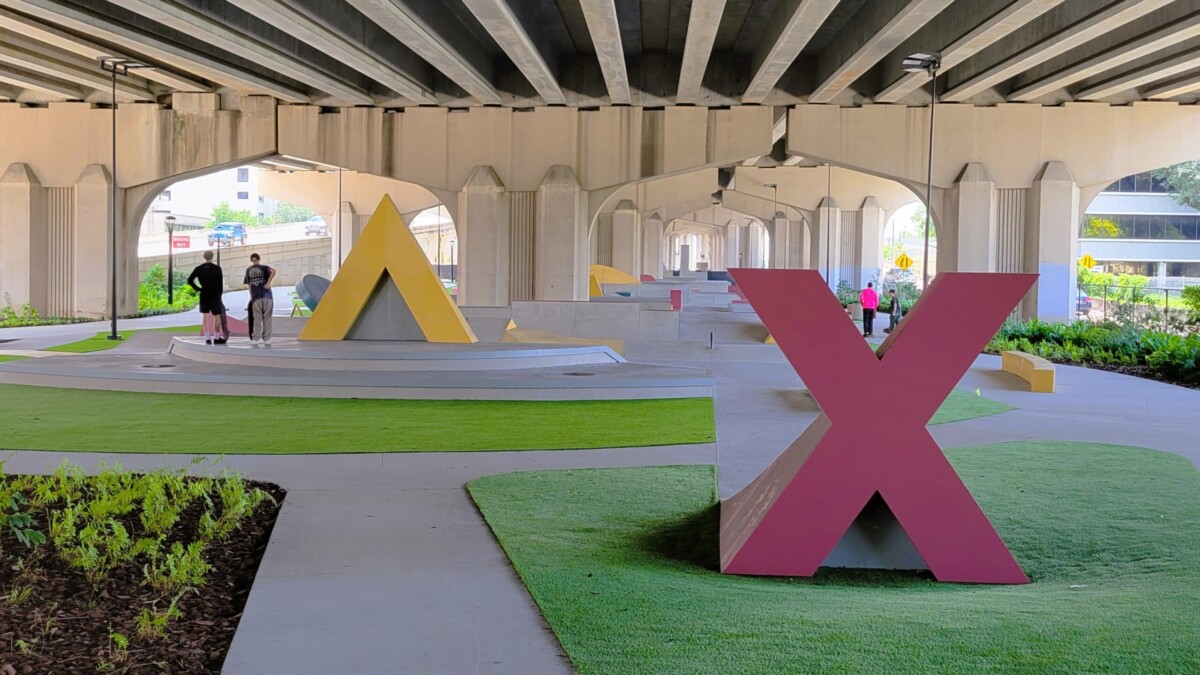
181	241
791	517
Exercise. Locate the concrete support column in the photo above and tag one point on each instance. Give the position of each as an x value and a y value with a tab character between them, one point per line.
652	246
969	223
561	238
483	241
626	238
90	278
23	237
827	237
753	249
733	245
1052	215
870	241
781	242
344	232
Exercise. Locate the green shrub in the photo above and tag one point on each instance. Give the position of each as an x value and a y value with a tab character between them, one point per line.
152	292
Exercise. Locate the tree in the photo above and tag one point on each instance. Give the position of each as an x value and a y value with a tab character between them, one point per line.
1100	228
291	213
1184	180
222	213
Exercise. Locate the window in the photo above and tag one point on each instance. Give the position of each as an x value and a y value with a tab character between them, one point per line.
243	195
243	175
1141	182
165	196
1173	227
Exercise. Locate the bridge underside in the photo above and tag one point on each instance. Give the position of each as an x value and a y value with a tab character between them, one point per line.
561	132
398	53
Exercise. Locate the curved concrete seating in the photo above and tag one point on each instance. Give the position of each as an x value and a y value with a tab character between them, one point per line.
1035	370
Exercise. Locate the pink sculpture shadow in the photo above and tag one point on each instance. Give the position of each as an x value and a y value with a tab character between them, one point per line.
871	437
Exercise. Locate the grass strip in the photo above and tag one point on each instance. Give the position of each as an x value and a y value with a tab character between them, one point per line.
42	418
100	342
622	563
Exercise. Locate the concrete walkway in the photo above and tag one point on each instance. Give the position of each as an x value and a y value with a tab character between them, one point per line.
381	564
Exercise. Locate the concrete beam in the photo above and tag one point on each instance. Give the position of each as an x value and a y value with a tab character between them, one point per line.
142	45
304	28
991	31
1059	42
220	35
36	30
792	25
864	42
703	21
31	81
1154	72
1174	88
38	58
521	39
601	17
1109	59
431	32
9	93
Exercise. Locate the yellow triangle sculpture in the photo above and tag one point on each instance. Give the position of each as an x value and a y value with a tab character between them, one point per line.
387	246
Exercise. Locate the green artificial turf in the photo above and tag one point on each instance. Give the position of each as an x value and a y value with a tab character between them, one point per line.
622	563
100	342
11	357
41	418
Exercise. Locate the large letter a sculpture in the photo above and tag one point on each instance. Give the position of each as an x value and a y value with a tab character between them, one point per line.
387	252
790	518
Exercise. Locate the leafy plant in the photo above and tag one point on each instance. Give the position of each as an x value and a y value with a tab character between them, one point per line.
152	291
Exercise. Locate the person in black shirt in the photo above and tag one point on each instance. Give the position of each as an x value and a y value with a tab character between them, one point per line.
262	301
211	286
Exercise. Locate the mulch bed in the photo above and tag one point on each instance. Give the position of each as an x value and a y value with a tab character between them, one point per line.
65	625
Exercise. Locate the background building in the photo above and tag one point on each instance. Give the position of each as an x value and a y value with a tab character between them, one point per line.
1136	226
192	201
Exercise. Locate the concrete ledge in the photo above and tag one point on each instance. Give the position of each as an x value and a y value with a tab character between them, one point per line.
1035	370
604	320
391	356
168	374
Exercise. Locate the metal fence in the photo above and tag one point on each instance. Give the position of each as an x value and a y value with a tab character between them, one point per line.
1147	307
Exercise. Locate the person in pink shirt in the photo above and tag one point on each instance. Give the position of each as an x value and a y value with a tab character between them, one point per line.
869	300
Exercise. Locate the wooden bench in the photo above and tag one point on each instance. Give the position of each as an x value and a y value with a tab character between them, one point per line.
1035	370
298	307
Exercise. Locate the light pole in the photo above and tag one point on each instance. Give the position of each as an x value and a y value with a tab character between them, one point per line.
927	63
774	211
439	239
170	260
115	66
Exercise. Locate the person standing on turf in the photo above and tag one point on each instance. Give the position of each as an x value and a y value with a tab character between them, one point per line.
211	287
869	300
262	301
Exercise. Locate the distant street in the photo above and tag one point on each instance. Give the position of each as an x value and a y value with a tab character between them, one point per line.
156	244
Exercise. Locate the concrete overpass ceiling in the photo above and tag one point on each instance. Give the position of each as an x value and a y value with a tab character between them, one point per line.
521	53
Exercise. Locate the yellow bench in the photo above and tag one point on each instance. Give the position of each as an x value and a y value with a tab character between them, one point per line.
1035	370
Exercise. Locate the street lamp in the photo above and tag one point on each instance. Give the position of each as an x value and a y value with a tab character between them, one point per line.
926	63
115	66
170	260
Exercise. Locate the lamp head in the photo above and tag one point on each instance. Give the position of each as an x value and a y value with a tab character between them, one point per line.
922	63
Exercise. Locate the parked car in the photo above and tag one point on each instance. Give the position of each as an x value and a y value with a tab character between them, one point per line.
316	225
1083	306
227	234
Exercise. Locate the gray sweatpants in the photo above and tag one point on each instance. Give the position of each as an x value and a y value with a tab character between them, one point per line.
262	309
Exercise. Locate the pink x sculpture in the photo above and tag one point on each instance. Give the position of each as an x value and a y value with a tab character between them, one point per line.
871	436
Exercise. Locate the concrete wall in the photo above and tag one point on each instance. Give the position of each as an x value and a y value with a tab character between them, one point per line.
291	259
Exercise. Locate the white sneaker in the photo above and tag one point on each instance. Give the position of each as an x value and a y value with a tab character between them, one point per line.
266	343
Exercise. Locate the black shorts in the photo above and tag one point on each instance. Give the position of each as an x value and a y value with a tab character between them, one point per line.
211	306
